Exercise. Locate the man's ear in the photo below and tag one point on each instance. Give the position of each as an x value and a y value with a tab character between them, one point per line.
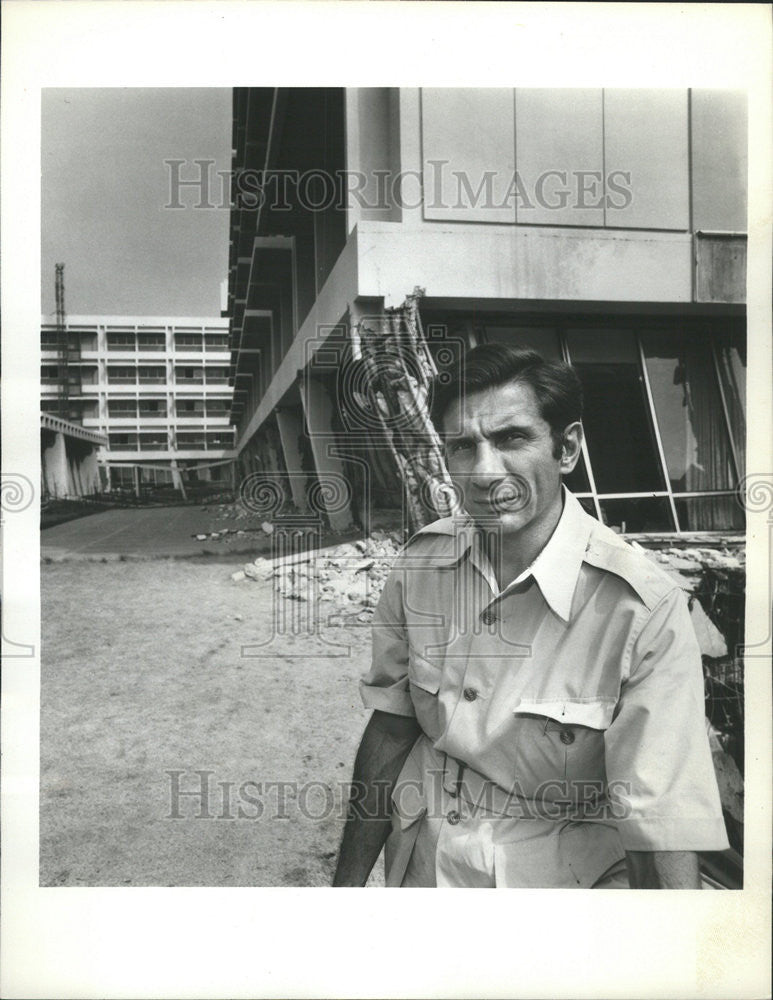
571	446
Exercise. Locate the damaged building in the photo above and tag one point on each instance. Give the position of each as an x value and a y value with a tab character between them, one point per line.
377	233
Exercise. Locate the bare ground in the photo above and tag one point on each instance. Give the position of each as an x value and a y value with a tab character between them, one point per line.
144	674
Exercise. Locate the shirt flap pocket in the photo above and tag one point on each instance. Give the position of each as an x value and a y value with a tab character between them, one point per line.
424	673
594	713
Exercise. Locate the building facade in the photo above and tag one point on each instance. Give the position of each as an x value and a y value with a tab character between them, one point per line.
604	227
155	388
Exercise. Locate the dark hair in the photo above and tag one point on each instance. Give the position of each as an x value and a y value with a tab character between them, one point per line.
555	384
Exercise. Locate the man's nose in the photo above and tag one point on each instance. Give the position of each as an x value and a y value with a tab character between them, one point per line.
487	468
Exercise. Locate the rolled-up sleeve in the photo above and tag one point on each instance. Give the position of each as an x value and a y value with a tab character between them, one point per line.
385	686
658	761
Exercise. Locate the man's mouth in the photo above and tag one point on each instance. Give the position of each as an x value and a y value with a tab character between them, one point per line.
503	498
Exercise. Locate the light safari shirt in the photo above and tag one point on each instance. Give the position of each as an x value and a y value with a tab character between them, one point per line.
563	717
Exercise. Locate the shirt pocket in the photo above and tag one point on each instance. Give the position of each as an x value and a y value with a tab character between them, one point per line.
424	678
563	742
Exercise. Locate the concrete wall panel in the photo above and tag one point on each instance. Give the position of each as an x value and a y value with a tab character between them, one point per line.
559	156
645	136
468	151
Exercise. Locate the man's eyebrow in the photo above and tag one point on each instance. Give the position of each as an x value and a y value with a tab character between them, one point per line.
511	429
498	432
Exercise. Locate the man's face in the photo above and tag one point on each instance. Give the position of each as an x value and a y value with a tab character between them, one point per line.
500	455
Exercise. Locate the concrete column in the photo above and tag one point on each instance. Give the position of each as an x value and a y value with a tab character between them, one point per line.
290	424
90	471
74	451
55	466
319	412
136	476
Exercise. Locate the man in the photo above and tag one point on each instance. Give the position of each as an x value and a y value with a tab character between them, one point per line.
536	683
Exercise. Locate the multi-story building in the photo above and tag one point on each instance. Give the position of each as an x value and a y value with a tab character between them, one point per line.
155	387
605	227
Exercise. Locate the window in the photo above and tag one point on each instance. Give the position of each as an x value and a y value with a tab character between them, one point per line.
190	407
665	417
214	342
190	375
122	408
153	407
120	342
220	439
187	341
217	376
153	442
190	439
124	375
153	374
151	341
123	442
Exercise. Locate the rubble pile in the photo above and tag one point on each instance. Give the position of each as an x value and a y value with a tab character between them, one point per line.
691	568
351	572
714	580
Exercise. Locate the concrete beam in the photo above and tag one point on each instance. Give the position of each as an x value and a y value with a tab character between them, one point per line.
504	262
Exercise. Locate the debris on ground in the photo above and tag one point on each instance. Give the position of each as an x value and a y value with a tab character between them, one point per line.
352	572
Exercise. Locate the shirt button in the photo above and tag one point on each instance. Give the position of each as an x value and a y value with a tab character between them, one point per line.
470	694
453	817
567	737
488	617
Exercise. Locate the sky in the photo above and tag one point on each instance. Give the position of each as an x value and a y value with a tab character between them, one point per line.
104	189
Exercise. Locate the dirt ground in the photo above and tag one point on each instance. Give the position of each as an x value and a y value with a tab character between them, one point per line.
147	694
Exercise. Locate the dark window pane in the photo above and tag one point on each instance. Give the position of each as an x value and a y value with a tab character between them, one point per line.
731	359
637	514
710	513
684	389
618	425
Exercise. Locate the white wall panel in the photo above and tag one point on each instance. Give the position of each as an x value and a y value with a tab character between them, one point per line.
559	156
645	135
468	155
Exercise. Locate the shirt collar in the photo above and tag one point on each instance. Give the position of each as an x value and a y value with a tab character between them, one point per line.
557	567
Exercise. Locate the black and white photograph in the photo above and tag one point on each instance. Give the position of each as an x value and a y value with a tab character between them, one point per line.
398	494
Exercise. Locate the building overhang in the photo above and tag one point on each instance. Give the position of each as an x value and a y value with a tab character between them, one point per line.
50	422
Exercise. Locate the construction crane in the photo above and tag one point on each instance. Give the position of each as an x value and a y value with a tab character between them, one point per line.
62	346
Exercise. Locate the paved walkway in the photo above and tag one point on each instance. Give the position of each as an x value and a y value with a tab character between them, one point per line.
149	533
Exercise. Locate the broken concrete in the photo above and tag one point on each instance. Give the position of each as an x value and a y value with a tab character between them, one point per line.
352	572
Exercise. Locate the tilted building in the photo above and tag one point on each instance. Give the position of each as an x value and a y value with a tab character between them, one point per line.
605	227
